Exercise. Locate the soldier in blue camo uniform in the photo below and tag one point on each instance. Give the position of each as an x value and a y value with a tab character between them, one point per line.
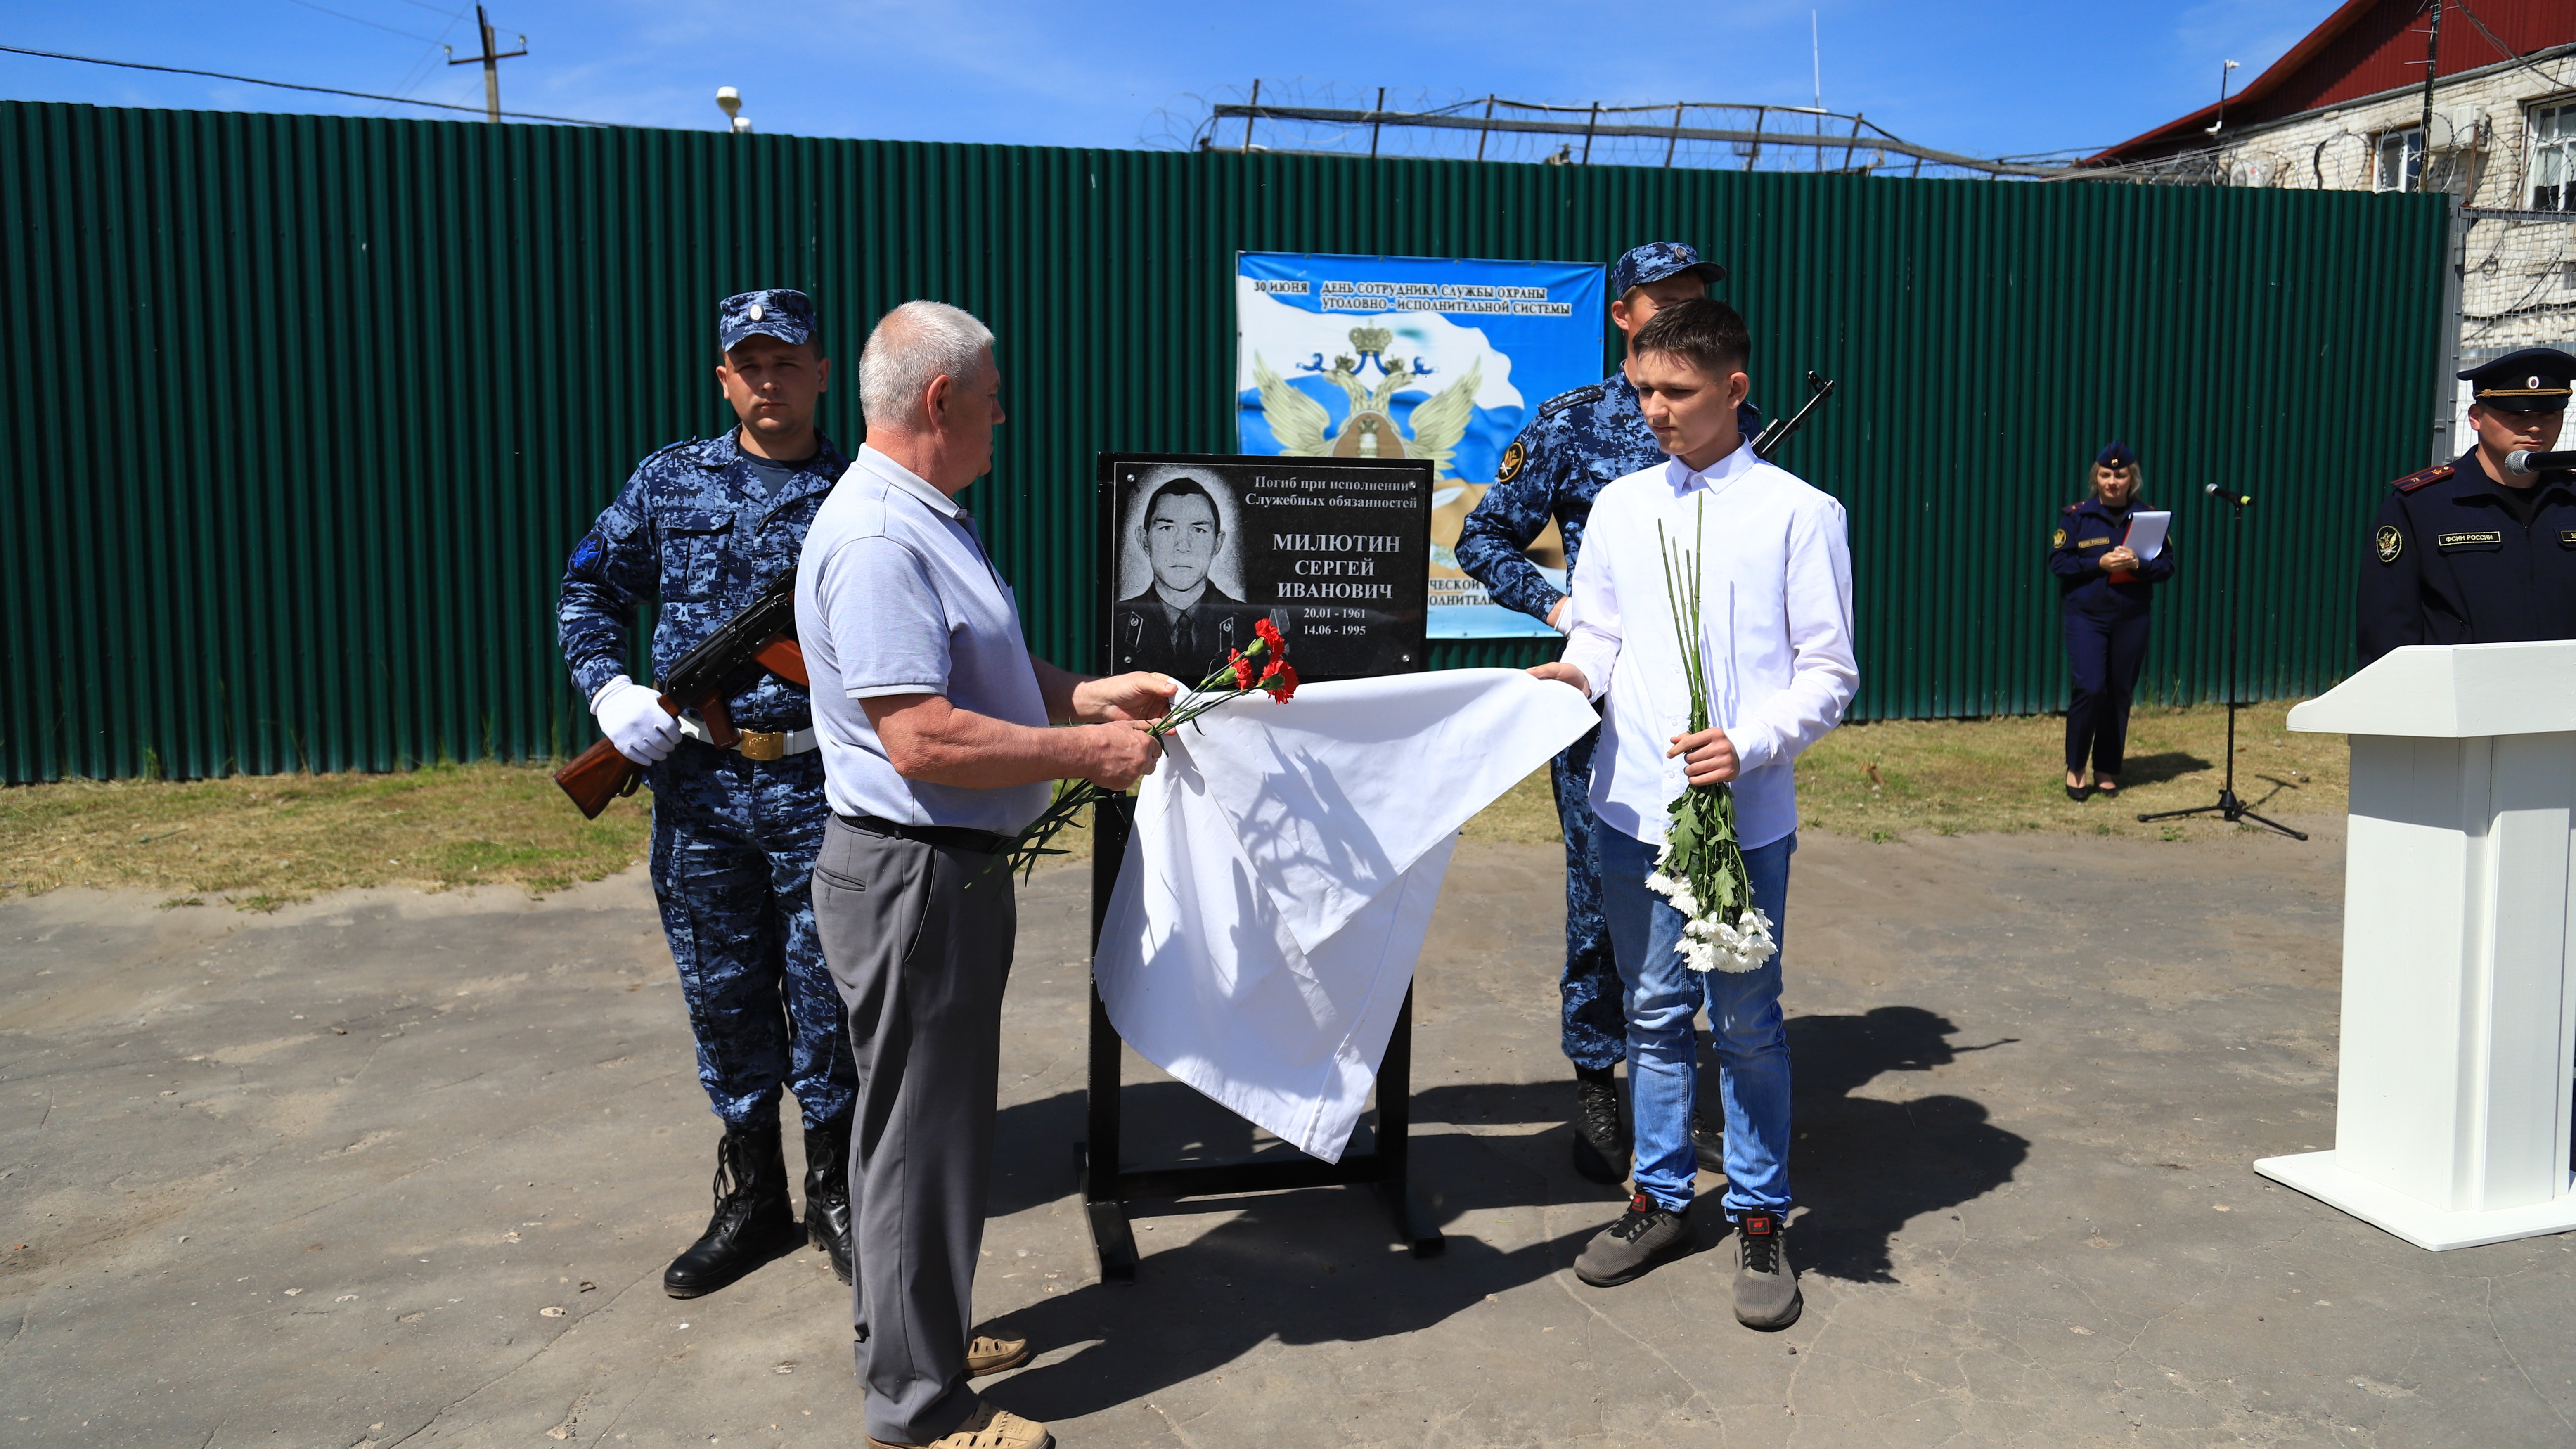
704	527
1577	444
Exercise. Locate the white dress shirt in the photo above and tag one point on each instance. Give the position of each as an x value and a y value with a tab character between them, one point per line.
1776	620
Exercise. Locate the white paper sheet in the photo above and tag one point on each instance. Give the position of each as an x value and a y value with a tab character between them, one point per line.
1282	874
2146	537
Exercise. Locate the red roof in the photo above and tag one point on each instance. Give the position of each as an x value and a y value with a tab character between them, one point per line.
2364	48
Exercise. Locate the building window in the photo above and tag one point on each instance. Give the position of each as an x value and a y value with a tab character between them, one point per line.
2401	160
2553	157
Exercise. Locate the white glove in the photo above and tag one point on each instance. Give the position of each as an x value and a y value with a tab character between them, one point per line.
632	717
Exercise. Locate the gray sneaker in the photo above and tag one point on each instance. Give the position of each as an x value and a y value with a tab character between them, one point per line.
1646	1236
1766	1287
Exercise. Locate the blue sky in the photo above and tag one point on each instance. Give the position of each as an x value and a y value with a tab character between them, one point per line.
2004	77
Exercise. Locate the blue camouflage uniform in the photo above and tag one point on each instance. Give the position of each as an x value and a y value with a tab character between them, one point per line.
734	839
1555	468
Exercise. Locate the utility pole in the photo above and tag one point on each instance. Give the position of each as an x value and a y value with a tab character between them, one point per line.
2432	63
490	60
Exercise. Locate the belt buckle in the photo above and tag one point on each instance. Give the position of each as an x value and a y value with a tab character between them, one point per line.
763	745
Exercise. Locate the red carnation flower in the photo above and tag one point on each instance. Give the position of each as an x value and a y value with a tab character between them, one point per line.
1243	673
1269	633
1280	680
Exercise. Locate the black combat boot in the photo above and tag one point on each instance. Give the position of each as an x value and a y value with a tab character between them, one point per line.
827	1193
754	1220
1601	1142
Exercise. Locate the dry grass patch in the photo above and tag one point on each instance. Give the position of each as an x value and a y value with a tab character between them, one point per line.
261	841
1897	778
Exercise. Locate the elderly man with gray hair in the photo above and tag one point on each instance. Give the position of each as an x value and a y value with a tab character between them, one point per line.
939	740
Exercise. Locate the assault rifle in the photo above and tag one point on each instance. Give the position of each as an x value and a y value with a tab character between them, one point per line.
1780	430
762	636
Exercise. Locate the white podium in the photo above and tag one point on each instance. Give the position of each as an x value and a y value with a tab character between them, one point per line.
2452	1115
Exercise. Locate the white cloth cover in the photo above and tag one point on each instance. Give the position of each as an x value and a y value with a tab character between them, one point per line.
1281	877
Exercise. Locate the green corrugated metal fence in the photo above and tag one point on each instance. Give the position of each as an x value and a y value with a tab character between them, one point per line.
302	413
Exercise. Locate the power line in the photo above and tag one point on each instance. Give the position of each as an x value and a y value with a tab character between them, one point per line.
356	20
252	80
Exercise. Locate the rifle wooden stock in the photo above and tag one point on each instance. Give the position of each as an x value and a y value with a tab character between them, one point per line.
785	658
598	775
717	716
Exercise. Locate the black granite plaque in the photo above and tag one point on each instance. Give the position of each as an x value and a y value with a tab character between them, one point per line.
1335	551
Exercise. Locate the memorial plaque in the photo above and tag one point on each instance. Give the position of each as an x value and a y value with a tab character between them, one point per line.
1197	548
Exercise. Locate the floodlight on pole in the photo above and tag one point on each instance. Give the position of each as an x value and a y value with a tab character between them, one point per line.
2222	98
729	101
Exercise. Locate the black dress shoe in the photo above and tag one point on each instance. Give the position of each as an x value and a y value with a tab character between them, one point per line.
1708	1143
1601	1142
827	1193
753	1222
2077	793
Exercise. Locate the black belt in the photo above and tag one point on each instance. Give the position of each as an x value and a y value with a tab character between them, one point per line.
952	837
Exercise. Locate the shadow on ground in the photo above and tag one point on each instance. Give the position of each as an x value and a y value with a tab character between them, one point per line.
1320	1267
2157	769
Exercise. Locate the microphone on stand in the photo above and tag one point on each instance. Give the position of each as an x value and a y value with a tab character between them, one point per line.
2213	490
2526	462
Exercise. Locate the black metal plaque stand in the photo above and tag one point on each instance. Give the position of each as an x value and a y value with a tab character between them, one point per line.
1108	1184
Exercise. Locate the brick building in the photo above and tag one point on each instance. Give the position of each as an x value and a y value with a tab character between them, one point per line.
2345	110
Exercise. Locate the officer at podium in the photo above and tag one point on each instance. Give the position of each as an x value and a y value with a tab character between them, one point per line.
2470	551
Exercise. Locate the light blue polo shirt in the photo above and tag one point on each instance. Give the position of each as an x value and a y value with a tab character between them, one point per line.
895	595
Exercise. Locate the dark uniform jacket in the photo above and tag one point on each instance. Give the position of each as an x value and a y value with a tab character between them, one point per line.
2450	563
1577	445
690	529
1188	648
2085	532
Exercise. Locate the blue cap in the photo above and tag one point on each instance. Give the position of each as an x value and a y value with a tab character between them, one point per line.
1657	260
2115	454
2532	380
787	316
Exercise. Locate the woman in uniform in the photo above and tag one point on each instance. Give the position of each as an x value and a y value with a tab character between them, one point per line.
2104	590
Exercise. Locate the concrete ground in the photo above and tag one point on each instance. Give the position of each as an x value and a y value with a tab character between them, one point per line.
393	1168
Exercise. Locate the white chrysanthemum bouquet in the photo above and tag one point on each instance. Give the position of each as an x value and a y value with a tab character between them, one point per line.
1701	870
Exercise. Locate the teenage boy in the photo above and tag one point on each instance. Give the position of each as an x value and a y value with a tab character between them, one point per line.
1579	442
1775	574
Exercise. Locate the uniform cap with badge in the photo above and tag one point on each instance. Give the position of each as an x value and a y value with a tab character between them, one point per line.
1657	260
2115	454
775	312
2529	380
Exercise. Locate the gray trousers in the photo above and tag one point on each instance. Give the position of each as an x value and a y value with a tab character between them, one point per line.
918	939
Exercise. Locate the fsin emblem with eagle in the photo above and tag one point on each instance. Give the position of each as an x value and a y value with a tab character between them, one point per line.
1304	429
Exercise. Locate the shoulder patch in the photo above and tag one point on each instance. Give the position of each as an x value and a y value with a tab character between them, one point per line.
2391	543
2057	539
587	554
1515	458
1576	398
2413	481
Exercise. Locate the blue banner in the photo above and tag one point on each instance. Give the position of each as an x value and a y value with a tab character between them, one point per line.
1416	357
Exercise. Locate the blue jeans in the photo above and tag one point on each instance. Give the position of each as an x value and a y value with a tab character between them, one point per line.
1663	995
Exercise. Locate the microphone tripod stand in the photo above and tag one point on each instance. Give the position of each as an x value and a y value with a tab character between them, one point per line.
2229	808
